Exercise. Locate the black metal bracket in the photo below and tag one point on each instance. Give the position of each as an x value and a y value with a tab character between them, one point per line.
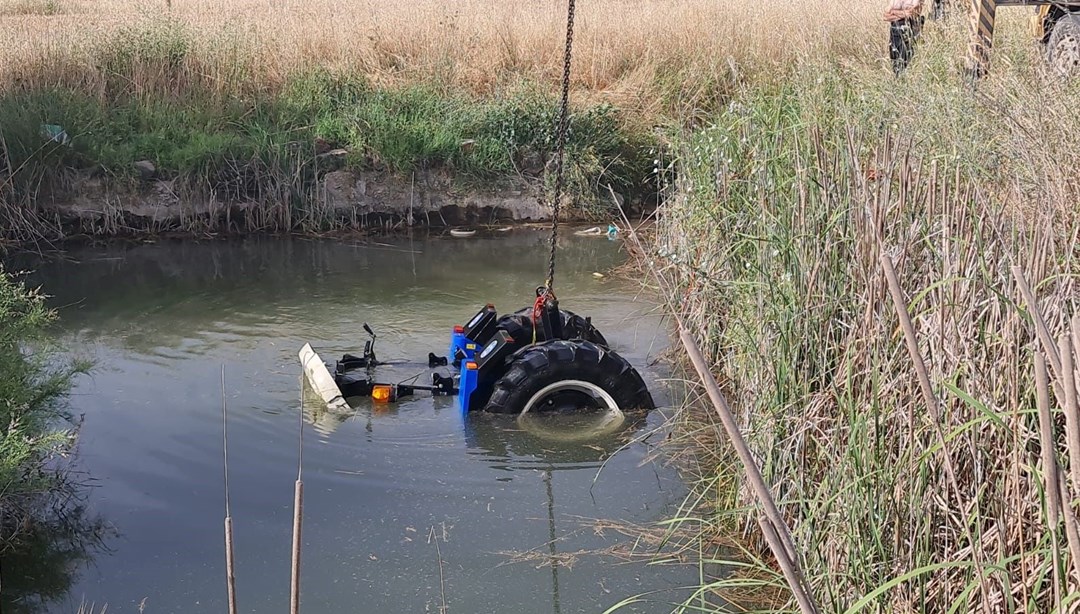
551	320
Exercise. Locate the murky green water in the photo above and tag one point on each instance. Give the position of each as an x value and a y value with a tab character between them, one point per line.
161	319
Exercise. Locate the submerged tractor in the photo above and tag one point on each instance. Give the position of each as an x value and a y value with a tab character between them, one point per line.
537	360
540	359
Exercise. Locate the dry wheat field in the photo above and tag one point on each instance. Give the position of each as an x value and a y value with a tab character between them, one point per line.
625	50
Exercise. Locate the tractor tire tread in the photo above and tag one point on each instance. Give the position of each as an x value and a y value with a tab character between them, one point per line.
536	366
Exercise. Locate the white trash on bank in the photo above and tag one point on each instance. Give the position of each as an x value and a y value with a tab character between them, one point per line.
54	133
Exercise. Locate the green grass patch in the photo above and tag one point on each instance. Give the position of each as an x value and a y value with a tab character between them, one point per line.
212	145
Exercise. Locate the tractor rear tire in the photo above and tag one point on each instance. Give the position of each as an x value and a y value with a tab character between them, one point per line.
1063	50
519	326
566	375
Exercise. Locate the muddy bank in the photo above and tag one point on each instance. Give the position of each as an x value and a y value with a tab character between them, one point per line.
322	153
340	200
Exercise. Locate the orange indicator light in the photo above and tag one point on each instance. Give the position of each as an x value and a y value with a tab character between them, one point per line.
382	394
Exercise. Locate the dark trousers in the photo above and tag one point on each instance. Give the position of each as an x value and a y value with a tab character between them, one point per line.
902	36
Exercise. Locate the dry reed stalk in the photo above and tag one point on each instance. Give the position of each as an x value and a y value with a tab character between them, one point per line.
230	566
298	511
1072	529
1041	329
1072	410
1074	329
932	405
1072	427
230	569
298	516
773	525
1050	469
432	536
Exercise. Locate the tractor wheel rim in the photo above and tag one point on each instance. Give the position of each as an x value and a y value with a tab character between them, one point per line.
550	394
1067	55
608	418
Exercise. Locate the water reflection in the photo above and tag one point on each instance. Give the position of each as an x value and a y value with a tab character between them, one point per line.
550	444
516	445
47	555
504	442
510	442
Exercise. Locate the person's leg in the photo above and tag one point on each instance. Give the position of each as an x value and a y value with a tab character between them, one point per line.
897	45
902	36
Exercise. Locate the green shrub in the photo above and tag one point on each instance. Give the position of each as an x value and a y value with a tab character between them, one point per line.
33	385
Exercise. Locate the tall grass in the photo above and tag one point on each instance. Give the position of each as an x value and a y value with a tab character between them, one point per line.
769	246
641	54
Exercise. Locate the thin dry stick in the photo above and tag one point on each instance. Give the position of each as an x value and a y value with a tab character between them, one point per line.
298	515
779	538
1050	477
230	576
442	582
937	418
1041	329
1072	429
1072	413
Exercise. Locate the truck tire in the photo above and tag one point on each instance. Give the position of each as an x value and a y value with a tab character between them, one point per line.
1063	50
519	326
565	376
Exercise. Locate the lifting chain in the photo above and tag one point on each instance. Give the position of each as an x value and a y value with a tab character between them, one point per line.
560	145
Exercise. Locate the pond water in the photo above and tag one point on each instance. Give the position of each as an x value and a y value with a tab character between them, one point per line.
407	507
